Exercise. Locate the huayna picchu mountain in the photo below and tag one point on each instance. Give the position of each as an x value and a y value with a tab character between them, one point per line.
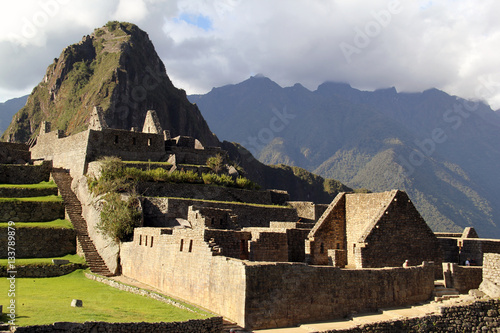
117	68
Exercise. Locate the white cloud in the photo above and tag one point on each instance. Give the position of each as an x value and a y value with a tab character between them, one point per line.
130	10
445	44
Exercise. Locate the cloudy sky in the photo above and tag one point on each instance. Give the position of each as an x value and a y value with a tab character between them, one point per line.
412	45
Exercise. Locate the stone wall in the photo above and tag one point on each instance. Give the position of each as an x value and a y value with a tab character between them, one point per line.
474	248
285	295
64	152
185	155
296	244
256	294
400	234
11	152
449	248
480	316
13	192
328	233
31	211
39	271
180	263
24	174
129	146
206	192
161	211
308	211
361	211
462	278
210	325
491	268
40	242
268	245
232	244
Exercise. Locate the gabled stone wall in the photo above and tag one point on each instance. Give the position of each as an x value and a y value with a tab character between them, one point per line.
328	233
400	234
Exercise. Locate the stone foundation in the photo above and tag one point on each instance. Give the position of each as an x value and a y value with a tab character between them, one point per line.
210	325
481	316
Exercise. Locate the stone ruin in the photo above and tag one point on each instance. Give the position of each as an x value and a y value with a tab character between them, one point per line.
254	256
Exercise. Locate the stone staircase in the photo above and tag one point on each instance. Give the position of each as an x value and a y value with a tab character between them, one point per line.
214	247
74	211
442	293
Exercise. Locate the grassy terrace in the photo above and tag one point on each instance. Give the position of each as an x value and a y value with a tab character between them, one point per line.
47	300
41	185
228	202
48	198
146	162
59	224
73	258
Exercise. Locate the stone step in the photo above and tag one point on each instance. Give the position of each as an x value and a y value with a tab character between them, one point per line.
74	211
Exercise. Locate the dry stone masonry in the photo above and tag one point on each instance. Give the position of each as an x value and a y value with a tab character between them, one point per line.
255	257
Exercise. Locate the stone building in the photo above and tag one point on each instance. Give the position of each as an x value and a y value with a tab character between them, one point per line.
372	230
253	256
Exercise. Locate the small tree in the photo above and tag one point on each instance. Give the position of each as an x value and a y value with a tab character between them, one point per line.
216	163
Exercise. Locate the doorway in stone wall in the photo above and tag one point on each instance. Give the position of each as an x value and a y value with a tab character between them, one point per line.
243	249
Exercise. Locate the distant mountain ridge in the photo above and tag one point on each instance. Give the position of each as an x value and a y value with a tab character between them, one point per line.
8	109
443	150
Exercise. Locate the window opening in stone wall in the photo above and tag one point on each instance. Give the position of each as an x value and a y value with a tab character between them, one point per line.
146	240
149	141
190	245
134	141
338	246
140	239
322	248
182	245
151	244
116	139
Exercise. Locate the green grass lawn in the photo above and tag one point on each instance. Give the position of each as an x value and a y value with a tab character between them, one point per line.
47	198
61	223
73	258
41	185
48	300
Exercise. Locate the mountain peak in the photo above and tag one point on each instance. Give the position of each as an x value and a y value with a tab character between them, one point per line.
118	69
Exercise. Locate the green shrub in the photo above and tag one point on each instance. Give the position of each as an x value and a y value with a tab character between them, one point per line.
136	174
245	183
119	217
210	178
185	177
158	175
111	168
226	180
